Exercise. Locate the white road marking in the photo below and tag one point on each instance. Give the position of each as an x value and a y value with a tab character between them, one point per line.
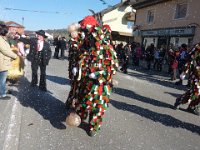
12	137
4	113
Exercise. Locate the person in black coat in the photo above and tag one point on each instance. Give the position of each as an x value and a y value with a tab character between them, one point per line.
150	55
56	43
62	47
125	56
39	56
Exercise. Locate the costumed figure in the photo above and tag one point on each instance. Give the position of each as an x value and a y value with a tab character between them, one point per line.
96	66
17	69
74	58
192	95
39	56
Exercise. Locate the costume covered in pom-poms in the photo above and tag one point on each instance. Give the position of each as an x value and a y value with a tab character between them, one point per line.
192	95
17	69
73	56
93	72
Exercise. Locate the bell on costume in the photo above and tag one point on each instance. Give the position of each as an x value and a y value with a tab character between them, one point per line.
73	119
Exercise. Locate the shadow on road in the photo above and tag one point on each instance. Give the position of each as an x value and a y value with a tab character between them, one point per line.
155	79
174	94
164	119
143	69
131	94
49	107
59	80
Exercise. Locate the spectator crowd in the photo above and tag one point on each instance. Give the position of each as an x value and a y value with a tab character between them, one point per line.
158	58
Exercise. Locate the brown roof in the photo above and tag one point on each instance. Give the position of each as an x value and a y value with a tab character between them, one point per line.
13	24
121	33
110	8
137	4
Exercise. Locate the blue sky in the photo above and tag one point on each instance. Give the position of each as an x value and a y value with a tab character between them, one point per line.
69	11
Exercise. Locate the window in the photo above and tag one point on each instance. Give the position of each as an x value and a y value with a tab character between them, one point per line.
176	41
181	10
150	16
190	41
130	24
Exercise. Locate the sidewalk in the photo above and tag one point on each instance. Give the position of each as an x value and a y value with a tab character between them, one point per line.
161	75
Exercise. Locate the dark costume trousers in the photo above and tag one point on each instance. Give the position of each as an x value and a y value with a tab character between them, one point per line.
62	52
56	52
148	64
125	65
34	68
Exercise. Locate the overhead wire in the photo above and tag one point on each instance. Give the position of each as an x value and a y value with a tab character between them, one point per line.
37	11
3	14
43	11
104	2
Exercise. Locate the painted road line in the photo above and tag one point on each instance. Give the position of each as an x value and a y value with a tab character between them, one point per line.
13	133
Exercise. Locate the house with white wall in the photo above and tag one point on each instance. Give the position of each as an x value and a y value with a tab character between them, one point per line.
120	18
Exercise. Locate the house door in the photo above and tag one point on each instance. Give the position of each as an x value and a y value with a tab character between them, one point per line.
162	42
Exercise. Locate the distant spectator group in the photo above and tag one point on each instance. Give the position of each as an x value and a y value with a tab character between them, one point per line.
60	47
155	57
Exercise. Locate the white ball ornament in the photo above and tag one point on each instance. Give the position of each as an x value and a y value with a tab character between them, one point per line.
73	119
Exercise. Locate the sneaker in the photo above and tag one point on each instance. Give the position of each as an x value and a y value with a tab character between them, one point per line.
5	98
92	133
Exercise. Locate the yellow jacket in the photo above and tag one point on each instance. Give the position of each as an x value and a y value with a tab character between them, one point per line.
5	55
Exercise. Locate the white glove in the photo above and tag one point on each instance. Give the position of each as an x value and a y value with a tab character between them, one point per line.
74	71
92	76
182	76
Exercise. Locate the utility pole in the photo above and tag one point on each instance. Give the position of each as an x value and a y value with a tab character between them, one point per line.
22	21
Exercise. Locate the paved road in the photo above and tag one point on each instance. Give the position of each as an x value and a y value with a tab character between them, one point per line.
140	116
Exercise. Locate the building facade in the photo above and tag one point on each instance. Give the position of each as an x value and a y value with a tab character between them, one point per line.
165	22
121	19
15	27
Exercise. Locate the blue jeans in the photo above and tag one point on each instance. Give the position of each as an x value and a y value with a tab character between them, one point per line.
3	76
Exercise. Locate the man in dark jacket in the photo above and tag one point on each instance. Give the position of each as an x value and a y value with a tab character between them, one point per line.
149	55
62	47
39	56
56	43
125	56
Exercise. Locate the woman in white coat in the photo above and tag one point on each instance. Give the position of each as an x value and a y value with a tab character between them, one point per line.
6	55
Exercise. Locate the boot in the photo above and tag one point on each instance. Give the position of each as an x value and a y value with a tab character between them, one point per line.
34	80
42	85
194	111
177	104
92	133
